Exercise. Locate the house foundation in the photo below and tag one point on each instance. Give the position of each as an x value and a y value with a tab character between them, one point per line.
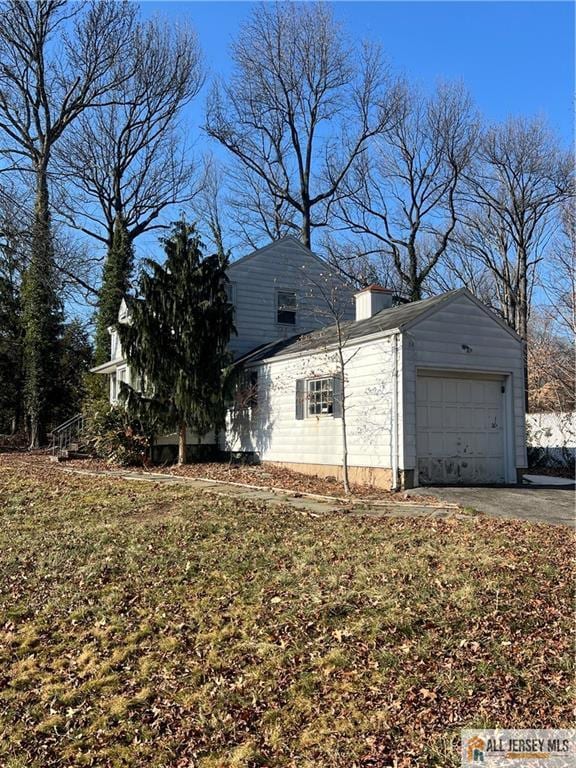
376	477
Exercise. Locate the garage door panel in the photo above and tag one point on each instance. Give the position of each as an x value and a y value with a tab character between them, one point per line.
464	391
435	417
451	416
451	391
459	430
434	390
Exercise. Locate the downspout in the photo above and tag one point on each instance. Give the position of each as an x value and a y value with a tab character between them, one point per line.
394	425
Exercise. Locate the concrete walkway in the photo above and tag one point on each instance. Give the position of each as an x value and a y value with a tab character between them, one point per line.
543	505
534	504
305	503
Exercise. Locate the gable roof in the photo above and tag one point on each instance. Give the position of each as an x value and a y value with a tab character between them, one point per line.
396	318
284	240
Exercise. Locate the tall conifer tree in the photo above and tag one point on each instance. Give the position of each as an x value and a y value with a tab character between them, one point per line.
42	320
115	281
178	335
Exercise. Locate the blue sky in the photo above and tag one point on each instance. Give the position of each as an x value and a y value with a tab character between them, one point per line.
514	57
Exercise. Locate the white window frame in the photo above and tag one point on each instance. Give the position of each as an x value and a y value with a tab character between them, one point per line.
122	375
113	343
230	289
317	394
278	308
113	388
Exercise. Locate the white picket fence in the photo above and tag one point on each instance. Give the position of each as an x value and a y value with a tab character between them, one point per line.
551	439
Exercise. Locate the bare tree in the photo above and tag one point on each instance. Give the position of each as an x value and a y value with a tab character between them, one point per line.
360	260
210	206
550	366
333	308
514	191
298	111
255	210
129	159
480	258
403	194
45	85
559	279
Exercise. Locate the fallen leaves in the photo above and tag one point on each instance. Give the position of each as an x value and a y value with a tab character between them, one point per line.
147	625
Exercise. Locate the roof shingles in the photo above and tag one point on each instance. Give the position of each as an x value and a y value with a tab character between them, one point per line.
385	320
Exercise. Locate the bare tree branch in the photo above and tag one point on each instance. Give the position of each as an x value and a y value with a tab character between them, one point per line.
403	192
297	113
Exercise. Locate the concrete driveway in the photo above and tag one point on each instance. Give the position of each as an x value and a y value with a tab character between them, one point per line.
535	504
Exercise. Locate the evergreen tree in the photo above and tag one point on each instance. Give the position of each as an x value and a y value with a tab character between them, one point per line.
75	358
115	281
178	335
11	404
41	318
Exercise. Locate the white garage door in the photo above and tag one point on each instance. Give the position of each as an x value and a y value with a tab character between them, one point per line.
460	430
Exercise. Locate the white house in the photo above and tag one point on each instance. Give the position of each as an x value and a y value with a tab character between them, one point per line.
430	392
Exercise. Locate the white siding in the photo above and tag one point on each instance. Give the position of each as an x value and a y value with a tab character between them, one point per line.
462	337
115	346
284	265
192	438
273	431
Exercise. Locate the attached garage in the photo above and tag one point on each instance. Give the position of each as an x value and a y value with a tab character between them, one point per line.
434	395
460	428
464	406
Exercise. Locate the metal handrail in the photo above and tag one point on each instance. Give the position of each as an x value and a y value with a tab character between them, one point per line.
62	435
66	423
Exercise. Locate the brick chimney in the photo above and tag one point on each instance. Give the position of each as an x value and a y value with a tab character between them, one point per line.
371	300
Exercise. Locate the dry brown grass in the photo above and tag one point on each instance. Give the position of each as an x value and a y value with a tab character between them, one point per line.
145	626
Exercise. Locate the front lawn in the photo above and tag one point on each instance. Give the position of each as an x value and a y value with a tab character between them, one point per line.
144	625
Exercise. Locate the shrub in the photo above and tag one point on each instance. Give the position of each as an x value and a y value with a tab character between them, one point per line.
114	435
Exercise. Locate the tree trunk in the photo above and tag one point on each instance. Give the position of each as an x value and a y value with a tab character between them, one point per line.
39	307
306	235
345	478
182	443
414	287
522	309
522	315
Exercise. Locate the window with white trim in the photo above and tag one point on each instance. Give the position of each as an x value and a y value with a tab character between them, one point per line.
113	344
121	378
285	307
320	396
113	388
230	289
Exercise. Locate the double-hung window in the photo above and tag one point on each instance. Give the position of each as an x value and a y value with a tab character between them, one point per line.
320	396
286	308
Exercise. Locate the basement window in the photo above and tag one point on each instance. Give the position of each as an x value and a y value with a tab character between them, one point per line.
320	396
286	308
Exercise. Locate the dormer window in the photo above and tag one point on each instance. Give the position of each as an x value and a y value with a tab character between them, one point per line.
286	307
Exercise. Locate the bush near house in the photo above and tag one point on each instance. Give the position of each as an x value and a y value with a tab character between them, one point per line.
145	625
112	434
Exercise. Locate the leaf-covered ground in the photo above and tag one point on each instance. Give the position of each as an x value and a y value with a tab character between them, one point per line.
142	625
266	475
